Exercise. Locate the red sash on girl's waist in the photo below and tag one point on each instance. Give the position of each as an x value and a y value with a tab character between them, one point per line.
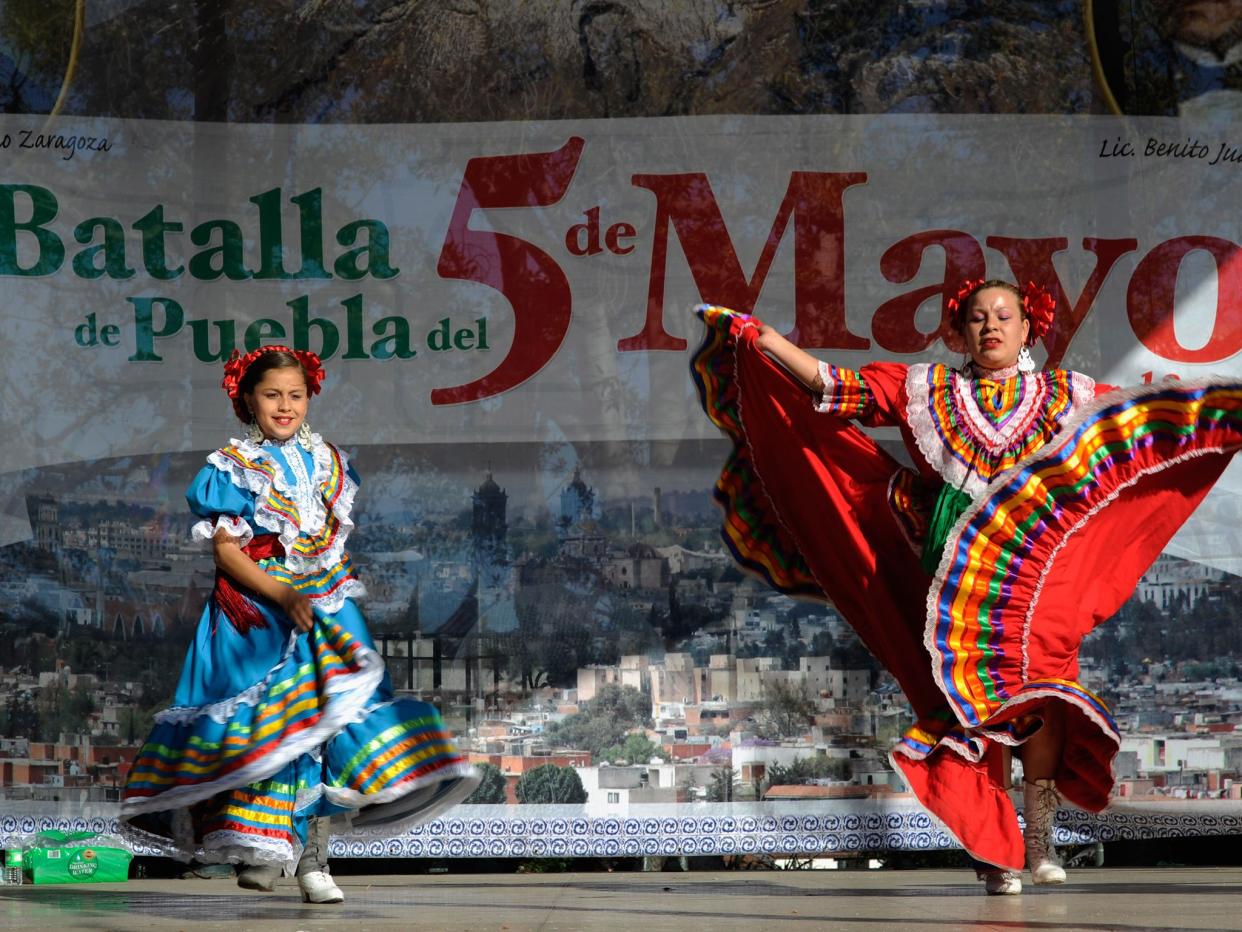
237	602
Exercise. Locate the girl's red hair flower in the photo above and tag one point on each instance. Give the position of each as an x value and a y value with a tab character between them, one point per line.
313	368
236	365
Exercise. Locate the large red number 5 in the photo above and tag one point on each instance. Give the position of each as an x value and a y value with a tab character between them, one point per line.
527	276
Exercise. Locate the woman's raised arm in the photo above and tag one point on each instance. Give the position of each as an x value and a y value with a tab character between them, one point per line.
801	364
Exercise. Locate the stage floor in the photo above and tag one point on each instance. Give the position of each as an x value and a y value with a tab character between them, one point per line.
877	901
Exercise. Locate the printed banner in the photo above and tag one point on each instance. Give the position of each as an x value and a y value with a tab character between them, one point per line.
515	281
504	314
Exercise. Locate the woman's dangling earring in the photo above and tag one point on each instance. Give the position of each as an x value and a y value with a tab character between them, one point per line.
1026	363
254	433
966	361
304	436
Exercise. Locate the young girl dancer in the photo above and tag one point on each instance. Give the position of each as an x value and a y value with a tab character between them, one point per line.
284	712
1036	502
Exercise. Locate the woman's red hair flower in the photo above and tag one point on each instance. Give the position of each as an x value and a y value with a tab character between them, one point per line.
1039	306
969	287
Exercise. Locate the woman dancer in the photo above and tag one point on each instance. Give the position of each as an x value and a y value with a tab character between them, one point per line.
284	713
1032	511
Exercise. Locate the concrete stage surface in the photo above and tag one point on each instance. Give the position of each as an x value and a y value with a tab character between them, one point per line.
1126	900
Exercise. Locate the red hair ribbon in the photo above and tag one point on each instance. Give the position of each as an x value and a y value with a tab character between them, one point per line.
236	365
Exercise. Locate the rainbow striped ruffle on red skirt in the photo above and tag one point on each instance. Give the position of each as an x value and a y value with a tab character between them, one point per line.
1056	545
751	530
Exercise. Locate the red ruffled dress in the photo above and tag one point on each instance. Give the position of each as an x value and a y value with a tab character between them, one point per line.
1074	490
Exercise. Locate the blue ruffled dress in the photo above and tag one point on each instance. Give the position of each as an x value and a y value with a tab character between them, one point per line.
270	725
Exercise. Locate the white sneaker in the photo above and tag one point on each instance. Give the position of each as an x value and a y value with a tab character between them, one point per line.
318	887
1002	883
1047	872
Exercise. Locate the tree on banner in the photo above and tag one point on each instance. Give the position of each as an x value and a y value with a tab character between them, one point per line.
605	721
635	749
491	788
785	711
551	784
721	788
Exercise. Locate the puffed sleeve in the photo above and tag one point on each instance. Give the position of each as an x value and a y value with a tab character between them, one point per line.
869	394
213	497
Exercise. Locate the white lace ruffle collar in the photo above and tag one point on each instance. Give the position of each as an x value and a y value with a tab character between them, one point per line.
287	442
261	484
990	439
974	371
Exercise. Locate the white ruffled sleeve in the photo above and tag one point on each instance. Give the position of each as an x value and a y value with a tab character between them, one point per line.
214	498
237	528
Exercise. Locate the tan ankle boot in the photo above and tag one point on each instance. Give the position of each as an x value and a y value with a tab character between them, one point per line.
1040	800
258	877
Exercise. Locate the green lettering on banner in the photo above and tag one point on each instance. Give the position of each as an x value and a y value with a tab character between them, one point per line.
310	225
87	334
263	329
271	238
396	344
43	211
302	323
91	334
232	260
353	328
112	249
444	337
202	339
145	332
440	339
376	251
153	226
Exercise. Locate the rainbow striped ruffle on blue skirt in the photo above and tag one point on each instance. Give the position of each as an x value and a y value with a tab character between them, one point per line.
236	780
